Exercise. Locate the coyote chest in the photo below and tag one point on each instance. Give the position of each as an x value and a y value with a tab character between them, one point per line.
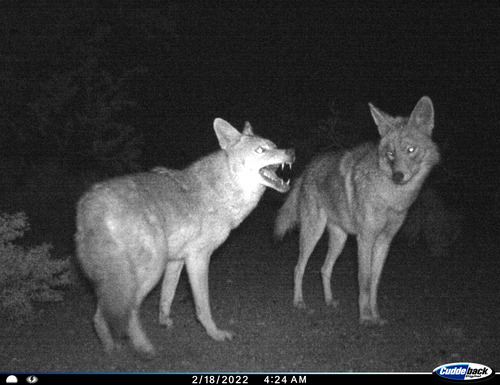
394	197
207	229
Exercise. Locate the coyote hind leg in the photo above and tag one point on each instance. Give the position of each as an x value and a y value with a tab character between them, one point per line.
311	230
337	239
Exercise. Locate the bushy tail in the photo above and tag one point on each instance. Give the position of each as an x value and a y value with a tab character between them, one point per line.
116	300
117	313
288	214
107	269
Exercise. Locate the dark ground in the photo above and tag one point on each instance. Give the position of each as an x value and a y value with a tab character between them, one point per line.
440	310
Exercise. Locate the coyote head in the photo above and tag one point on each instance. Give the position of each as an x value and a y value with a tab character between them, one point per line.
253	161
406	148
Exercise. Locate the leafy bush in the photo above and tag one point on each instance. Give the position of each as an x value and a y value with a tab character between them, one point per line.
27	275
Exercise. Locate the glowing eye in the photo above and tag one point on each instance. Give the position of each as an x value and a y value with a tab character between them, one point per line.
259	150
411	149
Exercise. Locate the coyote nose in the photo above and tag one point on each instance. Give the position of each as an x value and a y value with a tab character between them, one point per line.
398	177
291	153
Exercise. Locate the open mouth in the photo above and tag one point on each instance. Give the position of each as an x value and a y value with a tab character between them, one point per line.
272	180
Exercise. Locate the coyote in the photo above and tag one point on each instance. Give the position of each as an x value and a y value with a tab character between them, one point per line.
365	191
132	230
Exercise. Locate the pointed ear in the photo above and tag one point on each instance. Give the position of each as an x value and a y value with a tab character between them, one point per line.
226	134
248	130
423	115
382	120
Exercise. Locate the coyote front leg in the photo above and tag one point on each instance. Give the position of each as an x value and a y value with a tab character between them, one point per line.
170	280
197	268
379	256
366	244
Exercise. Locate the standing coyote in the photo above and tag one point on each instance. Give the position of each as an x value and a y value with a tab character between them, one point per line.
365	191
133	230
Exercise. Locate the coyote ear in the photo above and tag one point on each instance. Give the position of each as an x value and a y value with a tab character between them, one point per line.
423	115
382	120
226	134
248	130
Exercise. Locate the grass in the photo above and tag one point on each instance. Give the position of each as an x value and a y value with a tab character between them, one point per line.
439	311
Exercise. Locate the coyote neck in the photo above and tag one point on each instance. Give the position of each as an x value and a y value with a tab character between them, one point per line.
219	191
401	197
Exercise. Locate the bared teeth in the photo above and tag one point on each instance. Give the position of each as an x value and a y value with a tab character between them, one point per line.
269	173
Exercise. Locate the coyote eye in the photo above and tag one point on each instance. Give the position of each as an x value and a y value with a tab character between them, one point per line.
260	150
390	155
411	149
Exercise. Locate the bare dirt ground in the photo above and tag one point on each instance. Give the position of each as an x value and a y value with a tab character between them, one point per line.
440	310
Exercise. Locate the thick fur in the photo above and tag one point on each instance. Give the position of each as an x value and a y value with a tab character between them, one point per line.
366	192
135	229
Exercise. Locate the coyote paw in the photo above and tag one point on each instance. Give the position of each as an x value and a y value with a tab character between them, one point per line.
221	335
146	352
113	348
372	321
299	304
166	320
333	303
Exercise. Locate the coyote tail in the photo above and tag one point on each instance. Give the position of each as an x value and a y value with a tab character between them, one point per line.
116	308
115	289
116	299
288	214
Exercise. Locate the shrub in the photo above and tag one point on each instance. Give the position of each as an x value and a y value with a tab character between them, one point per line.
27	275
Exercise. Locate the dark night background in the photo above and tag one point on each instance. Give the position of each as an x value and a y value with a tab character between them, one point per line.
94	89
91	91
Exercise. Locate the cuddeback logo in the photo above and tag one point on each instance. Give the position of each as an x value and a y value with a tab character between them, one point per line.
463	371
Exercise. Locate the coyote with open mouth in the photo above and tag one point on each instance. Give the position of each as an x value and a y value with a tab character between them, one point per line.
136	229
